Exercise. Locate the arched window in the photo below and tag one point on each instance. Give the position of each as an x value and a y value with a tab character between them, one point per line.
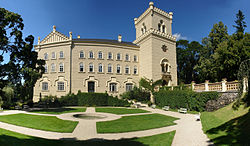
61	67
165	67
109	68
53	67
135	70
143	29
113	87
91	67
127	57
91	54
100	68
118	69
81	54
109	55
46	68
163	28
127	69
81	67
159	27
45	86
46	56
100	54
61	54
118	57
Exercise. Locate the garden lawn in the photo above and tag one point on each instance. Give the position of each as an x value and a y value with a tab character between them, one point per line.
227	126
47	123
59	110
9	138
120	111
135	123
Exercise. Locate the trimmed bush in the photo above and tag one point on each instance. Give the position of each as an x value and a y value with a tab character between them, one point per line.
69	100
50	101
184	99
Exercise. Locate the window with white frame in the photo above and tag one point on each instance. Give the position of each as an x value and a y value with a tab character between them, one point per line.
118	56
109	68
127	69
61	54
61	67
129	87
81	55
53	67
60	86
118	69
45	86
100	55
135	70
109	55
53	55
113	87
46	68
91	54
46	56
135	58
81	67
127	57
100	68
91	67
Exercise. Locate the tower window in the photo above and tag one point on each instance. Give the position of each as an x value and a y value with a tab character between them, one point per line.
163	28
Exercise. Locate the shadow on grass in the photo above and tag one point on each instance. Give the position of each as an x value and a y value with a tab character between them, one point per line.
237	131
7	140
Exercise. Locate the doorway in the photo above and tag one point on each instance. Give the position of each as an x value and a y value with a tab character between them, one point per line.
91	86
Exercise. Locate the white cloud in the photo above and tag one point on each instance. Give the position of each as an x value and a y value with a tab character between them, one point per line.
179	36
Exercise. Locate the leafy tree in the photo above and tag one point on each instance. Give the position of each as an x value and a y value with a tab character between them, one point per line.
23	68
188	55
150	85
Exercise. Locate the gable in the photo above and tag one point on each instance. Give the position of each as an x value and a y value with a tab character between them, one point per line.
54	36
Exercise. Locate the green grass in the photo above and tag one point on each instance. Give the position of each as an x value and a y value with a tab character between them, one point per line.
227	126
9	138
47	123
59	110
135	123
120	111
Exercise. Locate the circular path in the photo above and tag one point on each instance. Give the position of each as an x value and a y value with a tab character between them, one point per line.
188	130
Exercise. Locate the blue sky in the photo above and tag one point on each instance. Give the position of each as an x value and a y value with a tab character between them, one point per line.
193	19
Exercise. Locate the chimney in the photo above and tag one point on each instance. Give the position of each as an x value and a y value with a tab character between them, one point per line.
78	36
119	38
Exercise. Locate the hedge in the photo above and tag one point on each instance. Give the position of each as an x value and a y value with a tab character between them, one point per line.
184	99
91	99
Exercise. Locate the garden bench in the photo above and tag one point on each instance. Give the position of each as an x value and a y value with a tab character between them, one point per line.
182	110
165	108
153	106
135	105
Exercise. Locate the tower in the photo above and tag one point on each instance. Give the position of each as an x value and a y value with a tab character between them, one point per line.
157	45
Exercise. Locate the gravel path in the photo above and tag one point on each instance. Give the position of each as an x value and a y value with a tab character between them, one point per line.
188	130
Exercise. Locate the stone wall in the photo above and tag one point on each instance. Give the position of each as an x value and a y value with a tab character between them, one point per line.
225	99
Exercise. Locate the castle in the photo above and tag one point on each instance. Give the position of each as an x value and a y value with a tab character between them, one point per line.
104	65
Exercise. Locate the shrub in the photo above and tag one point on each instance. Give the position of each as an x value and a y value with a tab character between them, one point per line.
114	101
184	99
137	94
7	97
50	101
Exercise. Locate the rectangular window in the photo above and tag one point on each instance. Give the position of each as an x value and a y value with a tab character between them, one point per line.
60	86
45	86
91	54
53	55
81	54
118	70
112	87
61	54
127	57
129	87
127	70
53	69
135	58
81	68
118	57
61	68
100	55
109	68
109	55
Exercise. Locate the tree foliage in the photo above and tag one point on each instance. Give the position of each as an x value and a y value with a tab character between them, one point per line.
23	68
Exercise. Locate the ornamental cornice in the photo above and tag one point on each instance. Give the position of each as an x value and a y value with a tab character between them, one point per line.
155	32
